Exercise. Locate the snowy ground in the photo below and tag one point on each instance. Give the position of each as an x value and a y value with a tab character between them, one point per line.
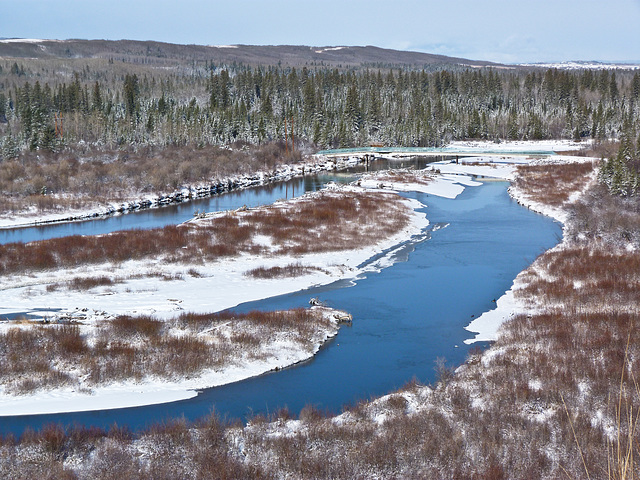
165	290
449	179
213	287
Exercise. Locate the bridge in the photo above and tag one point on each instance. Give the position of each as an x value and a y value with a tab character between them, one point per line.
371	152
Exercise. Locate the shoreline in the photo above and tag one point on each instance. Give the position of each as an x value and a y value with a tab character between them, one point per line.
130	394
186	194
486	326
451	180
516	151
217	287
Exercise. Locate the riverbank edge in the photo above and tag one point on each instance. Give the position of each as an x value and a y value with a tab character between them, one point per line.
136	394
130	394
314	164
504	310
188	193
486	326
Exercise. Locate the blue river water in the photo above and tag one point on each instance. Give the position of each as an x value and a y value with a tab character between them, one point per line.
174	214
404	317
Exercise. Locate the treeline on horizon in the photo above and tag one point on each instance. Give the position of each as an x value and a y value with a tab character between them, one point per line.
114	104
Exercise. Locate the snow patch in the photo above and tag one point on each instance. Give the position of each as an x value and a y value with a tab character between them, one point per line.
217	286
585	65
329	49
486	325
27	40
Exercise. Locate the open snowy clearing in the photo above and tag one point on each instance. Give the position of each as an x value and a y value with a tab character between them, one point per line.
172	289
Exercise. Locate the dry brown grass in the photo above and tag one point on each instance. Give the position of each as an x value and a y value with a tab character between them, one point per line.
420	177
503	414
601	217
85	176
127	347
553	184
605	149
331	222
173	451
319	223
288	271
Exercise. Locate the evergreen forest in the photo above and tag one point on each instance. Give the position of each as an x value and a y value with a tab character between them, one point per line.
56	105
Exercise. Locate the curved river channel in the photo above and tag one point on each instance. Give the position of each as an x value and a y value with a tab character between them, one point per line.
404	317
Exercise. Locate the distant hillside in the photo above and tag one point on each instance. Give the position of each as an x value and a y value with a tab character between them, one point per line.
158	52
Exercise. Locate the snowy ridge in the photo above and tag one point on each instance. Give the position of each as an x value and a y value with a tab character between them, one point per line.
329	49
27	40
584	65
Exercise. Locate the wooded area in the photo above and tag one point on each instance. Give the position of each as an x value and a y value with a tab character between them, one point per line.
52	105
54	111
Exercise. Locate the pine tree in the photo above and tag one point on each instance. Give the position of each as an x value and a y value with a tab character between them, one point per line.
97	97
475	125
635	86
613	88
352	113
512	125
131	91
9	148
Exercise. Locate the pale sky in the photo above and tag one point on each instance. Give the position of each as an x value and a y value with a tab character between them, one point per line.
509	31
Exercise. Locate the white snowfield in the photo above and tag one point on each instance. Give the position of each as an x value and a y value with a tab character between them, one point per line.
212	287
585	66
27	40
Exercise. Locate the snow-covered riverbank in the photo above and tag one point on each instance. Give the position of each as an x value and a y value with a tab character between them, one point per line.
165	290
315	164
453	177
33	216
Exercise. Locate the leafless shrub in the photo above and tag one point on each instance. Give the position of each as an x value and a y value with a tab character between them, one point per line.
120	433
403	176
396	402
126	326
552	184
411	386
114	461
311	414
599	216
84	438
133	347
52	287
194	273
53	438
326	222
245	338
604	149
79	179
67	340
288	271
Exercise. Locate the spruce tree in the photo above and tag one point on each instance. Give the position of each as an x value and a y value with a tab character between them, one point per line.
131	91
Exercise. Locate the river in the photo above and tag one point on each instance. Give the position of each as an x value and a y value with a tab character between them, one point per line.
178	213
405	316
